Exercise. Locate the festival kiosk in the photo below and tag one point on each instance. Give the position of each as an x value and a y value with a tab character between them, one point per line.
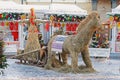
11	18
100	43
114	19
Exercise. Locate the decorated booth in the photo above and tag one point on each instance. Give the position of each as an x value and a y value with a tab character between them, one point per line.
63	20
10	21
114	18
100	43
9	17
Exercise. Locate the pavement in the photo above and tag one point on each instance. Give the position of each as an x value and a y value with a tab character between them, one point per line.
107	69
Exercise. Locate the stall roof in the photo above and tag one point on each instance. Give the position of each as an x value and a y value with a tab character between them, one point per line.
9	6
66	9
8	3
115	11
41	8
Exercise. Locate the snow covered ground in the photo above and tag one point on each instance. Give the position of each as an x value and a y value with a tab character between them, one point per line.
106	70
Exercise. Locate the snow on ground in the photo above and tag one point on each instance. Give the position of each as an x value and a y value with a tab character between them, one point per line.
106	70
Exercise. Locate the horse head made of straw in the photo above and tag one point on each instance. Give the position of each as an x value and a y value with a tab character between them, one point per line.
92	20
95	21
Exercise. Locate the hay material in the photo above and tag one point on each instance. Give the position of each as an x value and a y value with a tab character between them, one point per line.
55	62
32	41
68	69
20	52
74	44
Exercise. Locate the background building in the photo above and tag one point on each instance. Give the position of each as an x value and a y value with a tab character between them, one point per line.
104	6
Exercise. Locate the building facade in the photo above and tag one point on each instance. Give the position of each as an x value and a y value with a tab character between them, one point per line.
104	6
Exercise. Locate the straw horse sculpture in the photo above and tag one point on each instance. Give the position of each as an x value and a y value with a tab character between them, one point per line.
75	44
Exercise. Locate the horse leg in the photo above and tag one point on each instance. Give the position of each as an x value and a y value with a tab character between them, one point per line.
64	57
74	62
86	57
41	54
49	61
55	62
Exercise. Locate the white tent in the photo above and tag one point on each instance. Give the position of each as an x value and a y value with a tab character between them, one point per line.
114	30
26	8
115	11
66	9
9	3
9	6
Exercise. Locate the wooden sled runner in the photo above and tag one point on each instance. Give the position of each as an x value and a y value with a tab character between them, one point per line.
41	57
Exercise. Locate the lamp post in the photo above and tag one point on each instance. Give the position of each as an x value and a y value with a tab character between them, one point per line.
21	1
51	1
75	1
